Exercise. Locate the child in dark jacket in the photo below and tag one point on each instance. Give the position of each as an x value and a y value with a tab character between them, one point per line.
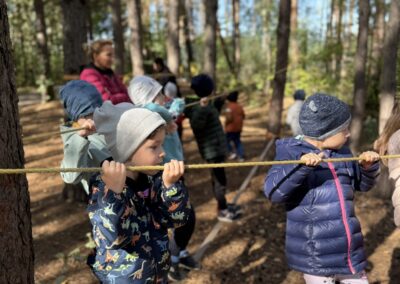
210	138
323	235
131	211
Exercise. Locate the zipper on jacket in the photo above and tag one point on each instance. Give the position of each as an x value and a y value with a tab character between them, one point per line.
344	215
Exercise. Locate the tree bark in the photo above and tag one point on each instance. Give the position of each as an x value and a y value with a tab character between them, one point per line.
294	46
41	36
118	34
173	57
266	41
236	36
338	50
75	34
360	85
186	10
225	51
135	24
387	85
16	254
210	37
283	35
377	40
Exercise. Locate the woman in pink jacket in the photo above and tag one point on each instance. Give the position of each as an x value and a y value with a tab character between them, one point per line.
100	74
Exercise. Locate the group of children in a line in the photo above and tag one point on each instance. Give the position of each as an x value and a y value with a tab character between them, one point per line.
131	212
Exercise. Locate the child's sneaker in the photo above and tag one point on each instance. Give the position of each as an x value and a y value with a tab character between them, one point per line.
234	208
174	273
232	156
188	262
227	215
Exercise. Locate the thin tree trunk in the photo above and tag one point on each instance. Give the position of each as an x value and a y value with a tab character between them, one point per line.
226	51
173	36
236	36
186	37
75	34
41	36
294	46
189	15
118	34
135	24
387	86
16	254
377	41
210	37
89	19
345	60
283	35
267	48
360	84
337	58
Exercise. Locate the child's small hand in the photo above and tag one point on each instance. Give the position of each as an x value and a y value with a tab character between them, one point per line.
172	127
114	175
204	102
89	126
312	159
368	158
172	172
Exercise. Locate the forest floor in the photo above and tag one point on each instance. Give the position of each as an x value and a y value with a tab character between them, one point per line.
250	250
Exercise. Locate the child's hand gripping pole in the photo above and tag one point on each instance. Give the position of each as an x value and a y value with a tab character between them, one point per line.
312	159
172	172
368	158
114	175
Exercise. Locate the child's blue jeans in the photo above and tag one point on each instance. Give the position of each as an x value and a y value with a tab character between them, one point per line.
234	137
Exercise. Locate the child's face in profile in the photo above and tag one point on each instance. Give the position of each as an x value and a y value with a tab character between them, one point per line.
150	153
159	99
336	141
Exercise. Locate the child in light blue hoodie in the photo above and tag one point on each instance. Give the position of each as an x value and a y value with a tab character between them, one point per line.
147	92
84	148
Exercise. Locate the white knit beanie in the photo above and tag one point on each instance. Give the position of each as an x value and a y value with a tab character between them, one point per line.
125	127
143	90
170	90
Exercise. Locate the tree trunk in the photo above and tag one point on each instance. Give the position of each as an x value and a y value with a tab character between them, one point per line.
266	41
41	36
135	24
283	35
75	34
294	46
210	37
186	35
347	43
236	36
338	50
16	254
118	34
225	51
173	36
387	85
89	20
360	85
377	41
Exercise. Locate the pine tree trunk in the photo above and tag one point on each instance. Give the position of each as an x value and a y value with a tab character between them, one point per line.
75	34
387	85
41	39
360	84
347	40
185	17
377	42
135	24
236	35
337	58
267	48
173	36
16	254
225	51
118	34
294	46
283	35
210	37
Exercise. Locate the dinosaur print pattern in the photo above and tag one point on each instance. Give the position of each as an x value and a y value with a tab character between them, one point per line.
130	229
